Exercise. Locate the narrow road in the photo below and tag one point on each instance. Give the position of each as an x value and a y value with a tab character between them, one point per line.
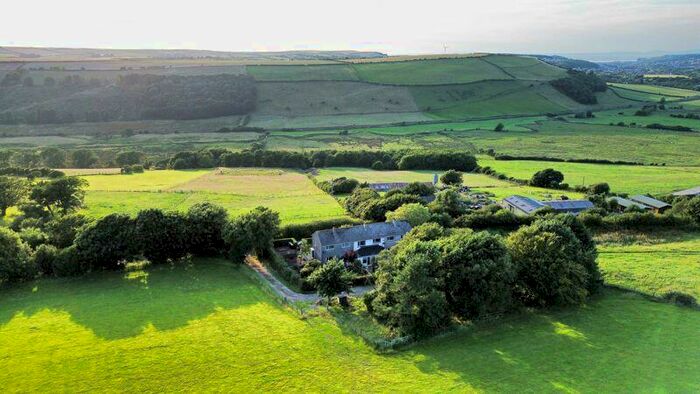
285	292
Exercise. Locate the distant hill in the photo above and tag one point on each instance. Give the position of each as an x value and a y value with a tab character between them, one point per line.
659	64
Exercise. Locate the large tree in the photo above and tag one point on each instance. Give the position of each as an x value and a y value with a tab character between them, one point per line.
331	279
415	214
549	177
15	261
53	157
61	195
12	192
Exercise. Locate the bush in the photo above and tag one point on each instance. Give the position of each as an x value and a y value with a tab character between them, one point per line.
340	185
45	259
547	178
15	258
289	274
688	207
161	235
478	274
377	166
550	264
331	279
415	214
252	232
459	161
599	188
69	263
205	222
106	243
680	299
451	177
63	229
33	236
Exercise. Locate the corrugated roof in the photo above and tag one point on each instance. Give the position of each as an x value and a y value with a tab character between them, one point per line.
371	250
525	204
625	203
688	192
569	205
362	232
652	202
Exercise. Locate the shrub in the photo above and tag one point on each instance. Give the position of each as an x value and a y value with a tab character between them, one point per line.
415	214
478	274
499	127
459	161
451	177
63	229
550	264
205	222
33	236
309	267
377	166
358	198
418	189
449	202
45	259
252	232
69	263
161	235
331	279
599	188
680	298
107	242
547	178
15	258
425	232
689	208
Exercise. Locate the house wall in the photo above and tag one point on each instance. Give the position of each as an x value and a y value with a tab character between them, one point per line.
323	254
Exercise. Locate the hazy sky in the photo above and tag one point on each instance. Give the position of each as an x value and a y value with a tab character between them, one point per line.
408	26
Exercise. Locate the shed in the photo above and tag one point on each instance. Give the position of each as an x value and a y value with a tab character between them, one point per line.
653	204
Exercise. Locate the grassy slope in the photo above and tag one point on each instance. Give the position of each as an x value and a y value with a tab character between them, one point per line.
430	72
657	90
208	327
627	116
291	194
654	267
621	178
303	73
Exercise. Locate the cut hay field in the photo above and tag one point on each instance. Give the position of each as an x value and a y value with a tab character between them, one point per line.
290	193
654	266
190	326
621	178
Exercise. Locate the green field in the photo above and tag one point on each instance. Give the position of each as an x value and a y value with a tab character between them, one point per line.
627	117
291	194
209	327
654	267
525	67
340	72
665	91
621	178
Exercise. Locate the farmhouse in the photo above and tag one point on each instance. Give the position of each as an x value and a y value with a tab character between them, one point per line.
652	203
386	186
366	240
520	205
689	192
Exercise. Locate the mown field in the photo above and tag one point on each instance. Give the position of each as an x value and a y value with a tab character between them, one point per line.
290	193
621	178
208	326
653	265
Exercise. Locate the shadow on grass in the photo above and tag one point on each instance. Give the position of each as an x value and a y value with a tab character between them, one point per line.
118	305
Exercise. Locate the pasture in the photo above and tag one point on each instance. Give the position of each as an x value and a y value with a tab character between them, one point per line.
653	265
190	325
338	72
628	118
430	72
621	178
290	193
663	91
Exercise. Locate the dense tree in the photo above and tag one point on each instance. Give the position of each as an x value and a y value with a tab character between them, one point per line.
415	214
15	258
499	127
451	177
12	192
108	242
449	202
53	157
129	158
340	185
549	178
330	279
83	158
550	264
478	274
61	195
358	198
161	235
419	189
206	222
688	207
252	232
63	229
580	86
599	188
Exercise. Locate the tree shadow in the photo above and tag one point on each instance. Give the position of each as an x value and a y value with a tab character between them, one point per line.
616	342
119	305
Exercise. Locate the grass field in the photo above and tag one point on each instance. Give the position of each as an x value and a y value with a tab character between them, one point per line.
627	116
430	72
654	266
663	91
303	73
621	178
209	327
291	194
525	67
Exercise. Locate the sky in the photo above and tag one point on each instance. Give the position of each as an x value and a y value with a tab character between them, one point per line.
394	27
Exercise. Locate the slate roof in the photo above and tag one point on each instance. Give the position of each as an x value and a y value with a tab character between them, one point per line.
371	250
526	204
688	192
569	205
362	232
625	203
652	202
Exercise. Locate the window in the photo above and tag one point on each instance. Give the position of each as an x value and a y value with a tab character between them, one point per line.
390	238
347	245
362	243
329	247
377	240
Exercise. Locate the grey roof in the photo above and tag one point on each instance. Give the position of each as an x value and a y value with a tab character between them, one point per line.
569	205
362	232
525	204
625	203
688	192
371	250
652	202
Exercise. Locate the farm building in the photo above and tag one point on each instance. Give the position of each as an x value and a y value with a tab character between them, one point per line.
624	204
366	240
688	193
386	186
653	204
520	205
